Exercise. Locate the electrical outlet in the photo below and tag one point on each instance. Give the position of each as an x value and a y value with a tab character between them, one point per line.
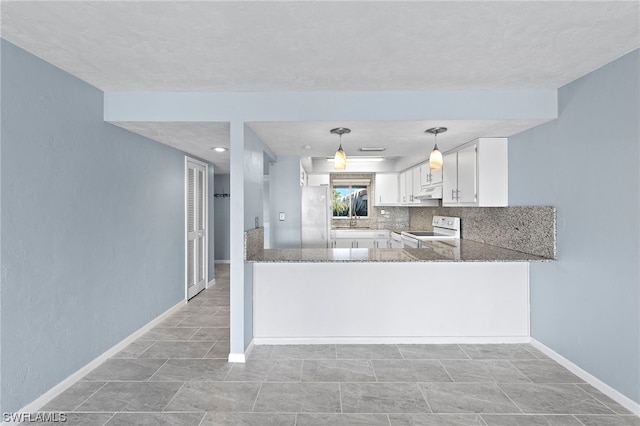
281	216
257	221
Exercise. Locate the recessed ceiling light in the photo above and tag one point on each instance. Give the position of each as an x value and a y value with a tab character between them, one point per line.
219	149
307	147
371	149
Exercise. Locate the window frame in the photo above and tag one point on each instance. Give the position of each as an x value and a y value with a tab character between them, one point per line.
351	186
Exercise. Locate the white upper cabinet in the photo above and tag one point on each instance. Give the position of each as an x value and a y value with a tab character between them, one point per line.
403	189
415	172
429	177
318	179
476	174
406	187
386	189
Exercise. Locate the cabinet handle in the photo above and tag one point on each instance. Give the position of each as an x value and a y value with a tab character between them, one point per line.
453	197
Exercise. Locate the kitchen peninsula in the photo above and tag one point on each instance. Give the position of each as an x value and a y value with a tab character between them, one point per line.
476	292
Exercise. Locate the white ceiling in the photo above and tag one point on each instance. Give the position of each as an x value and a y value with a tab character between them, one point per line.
399	138
322	45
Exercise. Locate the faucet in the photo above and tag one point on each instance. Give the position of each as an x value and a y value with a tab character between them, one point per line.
353	221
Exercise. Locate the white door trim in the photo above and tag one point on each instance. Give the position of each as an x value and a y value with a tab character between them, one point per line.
188	160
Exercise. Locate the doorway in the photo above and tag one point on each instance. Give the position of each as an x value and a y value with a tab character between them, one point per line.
196	224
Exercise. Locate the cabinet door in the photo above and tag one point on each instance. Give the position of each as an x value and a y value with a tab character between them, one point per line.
386	189
467	185
365	243
415	174
403	189
382	242
436	177
344	243
449	178
318	179
425	175
408	186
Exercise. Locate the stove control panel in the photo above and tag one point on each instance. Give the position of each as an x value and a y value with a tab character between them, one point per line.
446	222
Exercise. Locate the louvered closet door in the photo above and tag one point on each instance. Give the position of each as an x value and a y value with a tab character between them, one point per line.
196	211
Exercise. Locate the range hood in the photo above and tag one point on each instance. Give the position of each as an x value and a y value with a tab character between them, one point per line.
430	193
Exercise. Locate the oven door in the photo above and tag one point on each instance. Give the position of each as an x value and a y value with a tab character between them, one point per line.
409	242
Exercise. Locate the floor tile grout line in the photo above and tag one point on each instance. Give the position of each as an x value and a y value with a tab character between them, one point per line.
109	419
374	370
579	421
577	385
204	415
510	361
174	396
155	372
446	371
93	393
512	401
340	396
425	398
255	401
465	352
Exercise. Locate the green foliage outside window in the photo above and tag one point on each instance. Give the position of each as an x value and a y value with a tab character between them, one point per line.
340	208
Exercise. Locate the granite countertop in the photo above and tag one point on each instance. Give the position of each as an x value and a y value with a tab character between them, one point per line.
442	251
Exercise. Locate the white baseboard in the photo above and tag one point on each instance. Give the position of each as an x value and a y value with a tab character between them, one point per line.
221	261
621	399
211	283
241	358
45	398
388	340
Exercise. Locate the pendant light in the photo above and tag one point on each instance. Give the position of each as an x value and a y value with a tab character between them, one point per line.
340	159
435	159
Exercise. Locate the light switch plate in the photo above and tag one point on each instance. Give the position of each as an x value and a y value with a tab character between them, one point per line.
281	215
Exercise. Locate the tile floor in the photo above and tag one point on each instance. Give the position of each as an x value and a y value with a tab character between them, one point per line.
177	374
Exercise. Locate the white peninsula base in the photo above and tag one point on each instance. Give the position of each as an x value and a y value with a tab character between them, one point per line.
384	302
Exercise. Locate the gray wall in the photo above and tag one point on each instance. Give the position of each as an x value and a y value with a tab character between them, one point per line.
92	228
222	221
585	306
285	196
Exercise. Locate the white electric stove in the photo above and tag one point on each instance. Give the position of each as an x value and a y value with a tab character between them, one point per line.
444	228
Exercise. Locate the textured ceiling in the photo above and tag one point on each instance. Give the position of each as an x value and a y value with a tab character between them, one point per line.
318	45
196	138
322	45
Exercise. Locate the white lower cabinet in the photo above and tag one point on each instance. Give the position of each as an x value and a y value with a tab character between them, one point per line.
360	239
342	243
365	243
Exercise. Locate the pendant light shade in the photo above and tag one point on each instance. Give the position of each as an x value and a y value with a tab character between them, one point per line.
340	159
435	158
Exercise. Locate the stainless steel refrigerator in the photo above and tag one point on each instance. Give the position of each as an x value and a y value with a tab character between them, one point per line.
316	217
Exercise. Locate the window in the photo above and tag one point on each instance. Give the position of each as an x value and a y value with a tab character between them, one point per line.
350	200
